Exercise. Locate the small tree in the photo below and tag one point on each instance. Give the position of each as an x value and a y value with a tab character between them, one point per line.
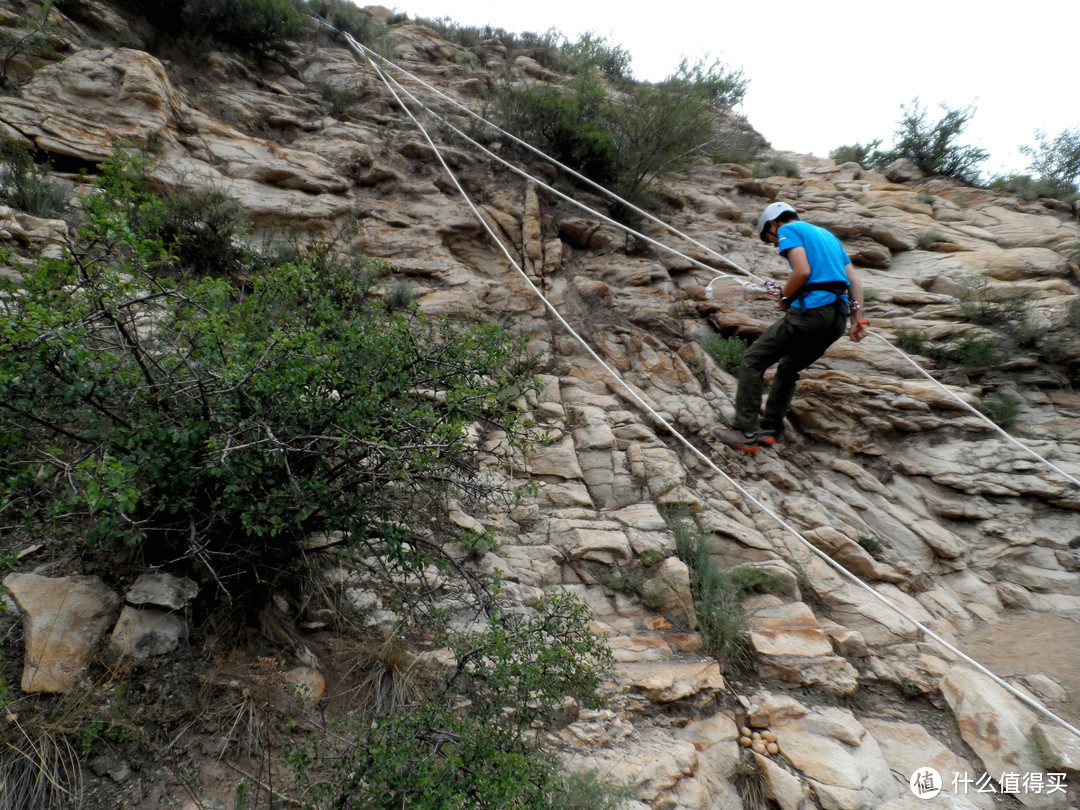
932	146
1056	159
591	52
627	138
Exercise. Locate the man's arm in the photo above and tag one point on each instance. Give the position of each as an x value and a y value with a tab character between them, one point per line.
800	273
855	295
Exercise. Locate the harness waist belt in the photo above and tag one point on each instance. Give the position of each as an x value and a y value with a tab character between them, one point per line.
837	288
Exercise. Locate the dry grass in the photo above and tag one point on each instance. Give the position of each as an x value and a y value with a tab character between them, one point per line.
39	769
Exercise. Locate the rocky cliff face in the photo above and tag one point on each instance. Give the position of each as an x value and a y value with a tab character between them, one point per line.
880	469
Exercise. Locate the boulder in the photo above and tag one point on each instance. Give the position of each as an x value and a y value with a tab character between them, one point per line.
64	618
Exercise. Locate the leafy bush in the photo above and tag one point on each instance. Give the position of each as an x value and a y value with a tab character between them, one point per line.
980	302
1002	406
909	340
1057	160
969	352
223	423
1029	188
545	48
871	545
927	239
591	52
567	124
482	752
257	25
28	186
626	140
867	155
747	579
932	145
348	17
973	352
777	167
725	352
251	25
586	790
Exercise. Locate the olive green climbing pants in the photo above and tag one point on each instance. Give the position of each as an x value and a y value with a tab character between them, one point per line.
793	342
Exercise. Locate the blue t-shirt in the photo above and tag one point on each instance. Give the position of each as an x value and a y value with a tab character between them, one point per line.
826	256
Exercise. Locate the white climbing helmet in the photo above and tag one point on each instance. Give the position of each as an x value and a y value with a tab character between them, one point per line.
770	213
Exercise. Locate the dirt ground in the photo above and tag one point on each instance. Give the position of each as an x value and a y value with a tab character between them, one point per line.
1023	643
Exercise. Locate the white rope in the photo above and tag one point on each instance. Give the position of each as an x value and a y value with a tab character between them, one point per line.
978	413
591	183
694	450
522	173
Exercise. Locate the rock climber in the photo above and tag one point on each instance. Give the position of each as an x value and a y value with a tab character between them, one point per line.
819	294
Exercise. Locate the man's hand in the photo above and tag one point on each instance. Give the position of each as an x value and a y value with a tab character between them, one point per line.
858	329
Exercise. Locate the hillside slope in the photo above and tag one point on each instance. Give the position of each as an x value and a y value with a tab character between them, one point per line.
880	469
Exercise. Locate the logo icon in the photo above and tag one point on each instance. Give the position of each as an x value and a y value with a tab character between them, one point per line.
925	783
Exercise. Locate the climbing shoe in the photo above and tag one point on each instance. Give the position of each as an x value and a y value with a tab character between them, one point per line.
767	438
738	439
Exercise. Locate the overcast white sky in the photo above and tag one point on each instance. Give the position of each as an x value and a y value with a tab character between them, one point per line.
837	71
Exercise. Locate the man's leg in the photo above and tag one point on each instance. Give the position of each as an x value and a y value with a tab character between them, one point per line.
813	332
770	346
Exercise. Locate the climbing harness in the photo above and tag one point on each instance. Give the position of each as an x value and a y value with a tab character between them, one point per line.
837	288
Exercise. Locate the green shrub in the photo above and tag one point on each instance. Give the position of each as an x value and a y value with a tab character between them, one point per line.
224	423
721	616
481	752
932	145
546	48
586	790
348	17
777	167
591	52
1002	406
1029	188
651	556
202	232
625	581
909	340
257	26
871	545
927	239
973	352
867	155
567	124
747	579
982	303
1057	160
624	141
725	352
27	35
340	100
29	187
